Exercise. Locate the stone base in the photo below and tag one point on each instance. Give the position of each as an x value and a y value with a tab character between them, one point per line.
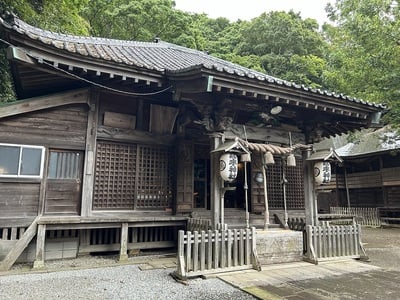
279	246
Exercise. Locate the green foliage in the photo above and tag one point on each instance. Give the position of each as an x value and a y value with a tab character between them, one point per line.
364	55
289	47
6	87
135	20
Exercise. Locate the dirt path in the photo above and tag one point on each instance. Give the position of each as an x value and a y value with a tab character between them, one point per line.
383	246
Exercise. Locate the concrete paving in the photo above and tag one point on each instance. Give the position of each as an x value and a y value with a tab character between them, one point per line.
340	279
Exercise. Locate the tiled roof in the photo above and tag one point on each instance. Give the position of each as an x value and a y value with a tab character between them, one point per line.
158	56
365	142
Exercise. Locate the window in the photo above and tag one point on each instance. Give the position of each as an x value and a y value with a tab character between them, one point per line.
21	161
132	176
64	165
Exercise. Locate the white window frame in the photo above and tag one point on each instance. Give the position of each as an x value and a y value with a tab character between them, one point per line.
21	147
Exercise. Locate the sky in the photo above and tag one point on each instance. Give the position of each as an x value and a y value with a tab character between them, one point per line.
249	9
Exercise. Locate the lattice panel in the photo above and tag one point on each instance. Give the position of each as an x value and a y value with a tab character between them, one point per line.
115	176
294	186
132	176
154	177
274	186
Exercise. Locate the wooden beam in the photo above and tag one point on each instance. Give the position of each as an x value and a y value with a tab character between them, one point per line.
44	102
19	246
15	53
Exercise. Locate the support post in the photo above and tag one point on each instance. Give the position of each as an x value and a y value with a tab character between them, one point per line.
246	197
40	247
123	253
215	185
266	212
309	189
284	182
90	150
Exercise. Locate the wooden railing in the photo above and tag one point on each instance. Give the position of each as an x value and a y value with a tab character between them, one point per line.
333	242
198	224
365	216
216	251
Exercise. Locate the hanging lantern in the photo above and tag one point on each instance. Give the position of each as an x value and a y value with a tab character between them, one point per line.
228	166
322	172
291	160
269	158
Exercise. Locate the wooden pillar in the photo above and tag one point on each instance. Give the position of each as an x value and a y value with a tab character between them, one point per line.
90	150
215	184
309	195
123	253
40	247
84	241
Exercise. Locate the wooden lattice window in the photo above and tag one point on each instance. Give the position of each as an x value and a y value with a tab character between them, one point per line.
115	176
131	176
154	177
294	186
274	185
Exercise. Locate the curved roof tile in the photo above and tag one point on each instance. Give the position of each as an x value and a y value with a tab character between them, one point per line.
159	56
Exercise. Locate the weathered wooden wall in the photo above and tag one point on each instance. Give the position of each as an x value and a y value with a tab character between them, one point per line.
19	199
63	127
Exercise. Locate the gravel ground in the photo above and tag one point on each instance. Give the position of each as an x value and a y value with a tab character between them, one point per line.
109	281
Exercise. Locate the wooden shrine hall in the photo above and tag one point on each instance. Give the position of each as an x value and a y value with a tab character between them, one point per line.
113	145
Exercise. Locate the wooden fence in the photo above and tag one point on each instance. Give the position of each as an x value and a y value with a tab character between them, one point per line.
333	242
216	251
198	224
365	216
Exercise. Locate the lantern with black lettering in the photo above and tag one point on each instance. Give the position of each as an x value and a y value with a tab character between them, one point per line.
322	172
228	163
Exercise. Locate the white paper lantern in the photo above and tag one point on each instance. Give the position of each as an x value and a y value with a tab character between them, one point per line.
228	166
322	172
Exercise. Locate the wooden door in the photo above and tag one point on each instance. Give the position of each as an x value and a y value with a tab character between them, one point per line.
63	188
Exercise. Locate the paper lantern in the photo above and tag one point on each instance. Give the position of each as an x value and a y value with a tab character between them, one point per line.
228	166
322	172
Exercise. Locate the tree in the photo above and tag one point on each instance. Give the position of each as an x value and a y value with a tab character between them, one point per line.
364	57
288	46
141	20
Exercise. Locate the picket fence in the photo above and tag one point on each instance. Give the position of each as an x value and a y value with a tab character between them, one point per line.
328	242
198	224
215	251
365	216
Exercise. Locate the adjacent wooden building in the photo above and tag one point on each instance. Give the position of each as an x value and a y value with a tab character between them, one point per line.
113	144
368	176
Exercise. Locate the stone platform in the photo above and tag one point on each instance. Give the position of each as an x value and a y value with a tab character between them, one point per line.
276	246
